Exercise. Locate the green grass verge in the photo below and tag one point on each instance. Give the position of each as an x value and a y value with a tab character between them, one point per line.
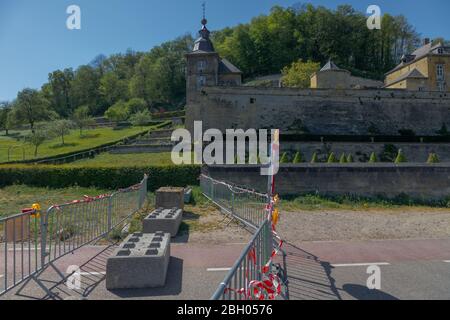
73	143
16	197
126	160
314	202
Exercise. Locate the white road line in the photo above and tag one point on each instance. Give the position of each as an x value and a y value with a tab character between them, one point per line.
360	264
92	273
218	269
1	276
447	261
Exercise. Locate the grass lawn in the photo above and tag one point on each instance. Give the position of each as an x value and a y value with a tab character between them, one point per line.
15	198
317	203
125	160
73	142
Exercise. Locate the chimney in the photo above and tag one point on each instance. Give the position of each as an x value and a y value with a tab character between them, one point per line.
426	41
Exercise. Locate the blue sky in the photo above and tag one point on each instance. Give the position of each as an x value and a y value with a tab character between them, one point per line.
34	39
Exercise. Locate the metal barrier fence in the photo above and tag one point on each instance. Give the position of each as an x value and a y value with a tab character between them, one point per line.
245	205
255	262
236	285
33	241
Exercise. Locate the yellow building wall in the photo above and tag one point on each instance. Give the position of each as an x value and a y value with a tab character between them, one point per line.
432	77
428	67
421	65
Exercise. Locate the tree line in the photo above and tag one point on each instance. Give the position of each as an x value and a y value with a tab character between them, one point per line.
266	45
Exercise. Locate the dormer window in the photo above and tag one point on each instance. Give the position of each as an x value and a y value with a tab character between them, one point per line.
201	66
440	50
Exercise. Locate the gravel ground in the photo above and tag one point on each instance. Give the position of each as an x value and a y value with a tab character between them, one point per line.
329	225
214	228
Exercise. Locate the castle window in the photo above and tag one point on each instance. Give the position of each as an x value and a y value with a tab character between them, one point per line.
252	100
201	66
440	71
201	81
441	86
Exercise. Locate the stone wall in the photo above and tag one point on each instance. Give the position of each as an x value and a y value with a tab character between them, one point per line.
425	182
414	152
320	111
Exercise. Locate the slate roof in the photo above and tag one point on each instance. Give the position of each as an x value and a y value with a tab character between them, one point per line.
417	55
226	66
413	74
330	66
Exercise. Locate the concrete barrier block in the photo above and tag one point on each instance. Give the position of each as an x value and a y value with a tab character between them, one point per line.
141	261
168	198
166	220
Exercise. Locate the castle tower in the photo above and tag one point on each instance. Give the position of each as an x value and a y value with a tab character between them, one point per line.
202	67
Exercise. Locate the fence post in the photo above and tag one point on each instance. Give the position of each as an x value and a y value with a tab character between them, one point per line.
232	202
110	212
44	232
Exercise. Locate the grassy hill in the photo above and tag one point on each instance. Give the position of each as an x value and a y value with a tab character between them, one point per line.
73	142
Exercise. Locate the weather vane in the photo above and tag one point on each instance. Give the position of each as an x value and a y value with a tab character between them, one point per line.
204	21
204	9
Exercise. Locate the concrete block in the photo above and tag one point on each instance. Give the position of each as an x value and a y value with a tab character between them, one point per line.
166	220
168	198
141	261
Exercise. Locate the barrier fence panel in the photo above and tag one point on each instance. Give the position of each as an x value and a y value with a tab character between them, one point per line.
31	241
20	248
247	271
246	205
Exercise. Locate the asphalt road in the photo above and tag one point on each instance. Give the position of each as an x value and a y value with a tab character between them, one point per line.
409	269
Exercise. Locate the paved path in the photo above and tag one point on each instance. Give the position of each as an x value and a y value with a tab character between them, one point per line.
410	269
194	273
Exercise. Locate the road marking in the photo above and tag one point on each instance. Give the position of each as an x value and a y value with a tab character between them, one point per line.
1	276
218	269
360	264
447	261
92	273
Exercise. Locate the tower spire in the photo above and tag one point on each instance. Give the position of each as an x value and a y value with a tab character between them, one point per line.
204	21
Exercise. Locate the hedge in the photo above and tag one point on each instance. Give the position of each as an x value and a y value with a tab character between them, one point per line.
101	177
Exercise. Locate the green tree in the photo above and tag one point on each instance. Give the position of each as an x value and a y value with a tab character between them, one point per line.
373	158
332	158
30	107
314	158
136	105
343	159
298	158
112	88
284	158
37	138
118	112
350	158
61	128
298	74
82	119
60	84
401	158
141	118
433	158
85	90
5	116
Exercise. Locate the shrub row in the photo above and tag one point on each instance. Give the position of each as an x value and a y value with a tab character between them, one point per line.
101	177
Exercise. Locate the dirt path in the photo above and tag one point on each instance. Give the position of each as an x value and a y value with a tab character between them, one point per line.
327	225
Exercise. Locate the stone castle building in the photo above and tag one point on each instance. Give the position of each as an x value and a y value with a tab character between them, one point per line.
339	105
333	77
206	68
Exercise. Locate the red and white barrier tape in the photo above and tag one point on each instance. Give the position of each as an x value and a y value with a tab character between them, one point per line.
270	285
